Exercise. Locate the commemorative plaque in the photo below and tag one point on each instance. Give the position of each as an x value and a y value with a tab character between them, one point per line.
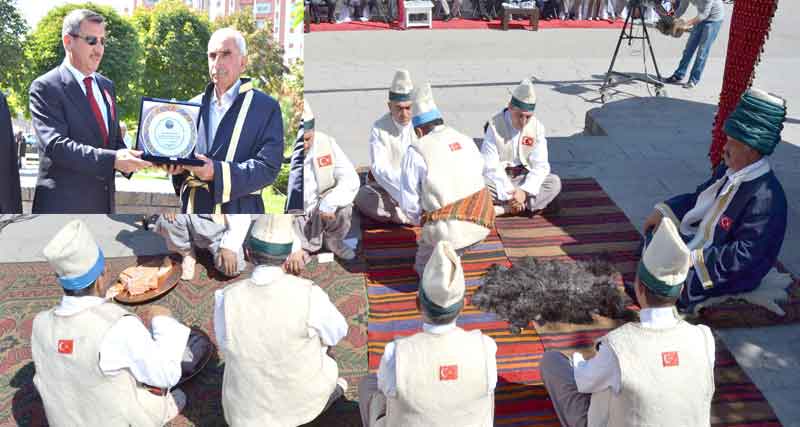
168	131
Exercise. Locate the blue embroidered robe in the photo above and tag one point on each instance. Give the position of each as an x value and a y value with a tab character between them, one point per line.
256	163
747	237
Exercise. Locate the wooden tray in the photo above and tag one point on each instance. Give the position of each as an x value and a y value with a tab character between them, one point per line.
165	284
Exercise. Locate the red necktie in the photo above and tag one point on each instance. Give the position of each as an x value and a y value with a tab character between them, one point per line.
96	110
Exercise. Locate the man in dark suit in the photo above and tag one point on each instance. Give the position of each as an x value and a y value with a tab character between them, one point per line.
76	122
10	197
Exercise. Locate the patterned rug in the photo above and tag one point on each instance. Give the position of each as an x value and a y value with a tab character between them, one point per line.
27	288
391	289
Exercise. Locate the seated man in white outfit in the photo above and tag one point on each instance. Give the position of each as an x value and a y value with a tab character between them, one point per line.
442	376
274	331
94	359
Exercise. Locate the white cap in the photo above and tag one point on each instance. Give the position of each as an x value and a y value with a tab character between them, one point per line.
401	86
308	116
74	255
665	261
272	235
443	278
424	108
524	96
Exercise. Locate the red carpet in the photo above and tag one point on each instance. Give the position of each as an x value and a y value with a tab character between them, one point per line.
467	24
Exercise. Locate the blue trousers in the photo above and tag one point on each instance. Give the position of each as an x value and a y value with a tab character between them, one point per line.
700	40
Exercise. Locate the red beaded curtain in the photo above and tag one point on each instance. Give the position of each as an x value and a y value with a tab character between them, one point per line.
750	25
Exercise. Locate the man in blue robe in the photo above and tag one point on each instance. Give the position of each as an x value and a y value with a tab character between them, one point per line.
240	137
735	222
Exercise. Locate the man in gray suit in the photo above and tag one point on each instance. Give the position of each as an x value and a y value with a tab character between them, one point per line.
75	118
10	197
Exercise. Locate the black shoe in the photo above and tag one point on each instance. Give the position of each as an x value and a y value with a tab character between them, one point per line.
672	80
447	18
485	18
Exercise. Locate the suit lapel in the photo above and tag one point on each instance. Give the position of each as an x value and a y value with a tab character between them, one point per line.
76	96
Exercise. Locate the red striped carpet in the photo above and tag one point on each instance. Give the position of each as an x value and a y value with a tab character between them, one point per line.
391	291
591	224
467	24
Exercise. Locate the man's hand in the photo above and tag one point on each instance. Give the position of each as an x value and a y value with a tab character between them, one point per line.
652	221
327	216
516	203
173	169
205	172
228	261
296	262
169	217
129	161
151	312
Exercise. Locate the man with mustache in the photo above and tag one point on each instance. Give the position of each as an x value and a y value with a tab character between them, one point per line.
75	117
734	223
240	137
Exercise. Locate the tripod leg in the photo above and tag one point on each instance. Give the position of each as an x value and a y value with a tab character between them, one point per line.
622	35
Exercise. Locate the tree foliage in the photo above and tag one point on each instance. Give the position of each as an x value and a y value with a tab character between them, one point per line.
174	41
43	51
12	35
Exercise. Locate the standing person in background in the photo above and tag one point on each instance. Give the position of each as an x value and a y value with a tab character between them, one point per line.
705	27
10	193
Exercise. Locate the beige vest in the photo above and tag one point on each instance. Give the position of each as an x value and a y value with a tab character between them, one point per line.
390	134
75	392
441	381
275	374
503	139
455	171
323	162
667	379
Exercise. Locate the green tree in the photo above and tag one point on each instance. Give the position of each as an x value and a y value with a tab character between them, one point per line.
12	34
44	51
174	41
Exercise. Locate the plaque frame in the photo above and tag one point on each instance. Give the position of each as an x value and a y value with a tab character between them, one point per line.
142	131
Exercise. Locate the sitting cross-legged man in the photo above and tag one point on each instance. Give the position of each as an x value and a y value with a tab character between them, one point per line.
222	235
514	150
735	222
655	372
442	376
389	139
97	364
442	183
274	331
330	184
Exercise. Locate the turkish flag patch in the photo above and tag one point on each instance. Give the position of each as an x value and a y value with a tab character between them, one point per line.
455	146
527	141
325	160
670	358
448	372
65	346
725	223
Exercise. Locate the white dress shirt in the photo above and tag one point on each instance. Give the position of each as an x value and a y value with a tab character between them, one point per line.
98	94
216	111
347	182
382	170
324	319
237	227
387	371
602	371
152	359
494	169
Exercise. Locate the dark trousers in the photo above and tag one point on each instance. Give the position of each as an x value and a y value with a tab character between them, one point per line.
315	10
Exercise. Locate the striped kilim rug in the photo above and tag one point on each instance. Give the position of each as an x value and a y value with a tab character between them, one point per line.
391	291
590	224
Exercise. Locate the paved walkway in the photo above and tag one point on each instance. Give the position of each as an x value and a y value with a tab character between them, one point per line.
654	147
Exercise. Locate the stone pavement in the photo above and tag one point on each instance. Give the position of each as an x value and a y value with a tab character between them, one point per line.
652	148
